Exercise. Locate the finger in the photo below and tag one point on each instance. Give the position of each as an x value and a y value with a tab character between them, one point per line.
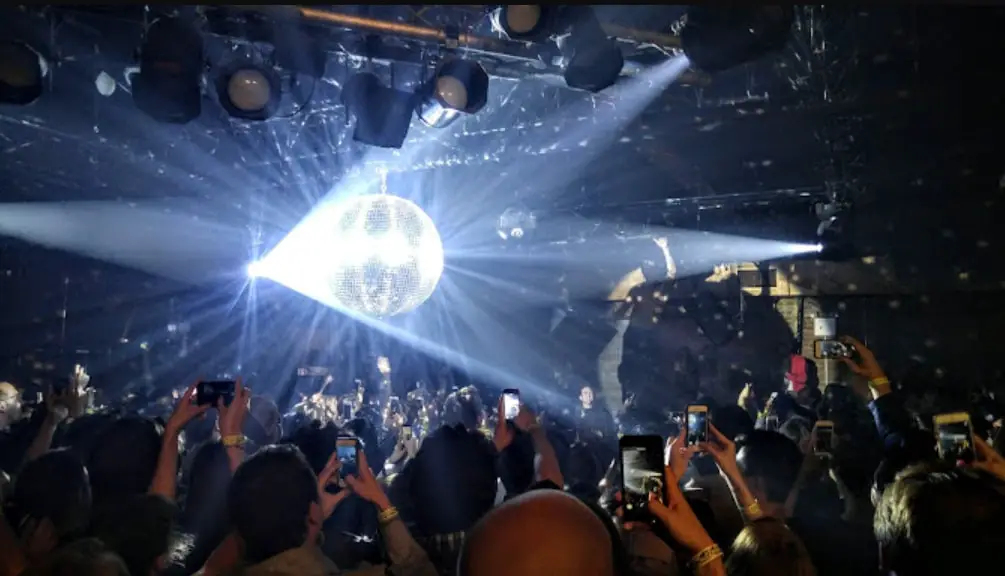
617	496
353	482
364	468
190	391
201	410
851	340
853	366
619	512
984	451
220	405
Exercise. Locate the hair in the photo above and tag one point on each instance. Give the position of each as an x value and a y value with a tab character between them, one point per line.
138	529
269	501
87	557
774	459
463	407
451	482
54	486
732	420
936	519
769	548
124	458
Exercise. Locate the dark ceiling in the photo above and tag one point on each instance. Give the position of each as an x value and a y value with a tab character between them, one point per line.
895	109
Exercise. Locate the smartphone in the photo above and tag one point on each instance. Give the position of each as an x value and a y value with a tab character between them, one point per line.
771	423
406	432
823	432
345	411
641	474
830	349
954	437
511	403
209	391
347	449
697	424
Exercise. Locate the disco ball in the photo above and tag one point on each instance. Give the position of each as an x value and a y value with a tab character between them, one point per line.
388	255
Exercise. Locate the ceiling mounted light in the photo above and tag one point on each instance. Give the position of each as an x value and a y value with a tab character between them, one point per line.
22	70
168	86
382	113
593	61
249	91
459	87
717	37
526	22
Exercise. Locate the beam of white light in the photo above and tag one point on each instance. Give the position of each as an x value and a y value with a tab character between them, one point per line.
166	239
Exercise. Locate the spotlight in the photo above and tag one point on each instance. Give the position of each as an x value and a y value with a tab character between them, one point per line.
382	113
249	91
716	37
592	60
168	86
459	87
255	269
22	70
523	22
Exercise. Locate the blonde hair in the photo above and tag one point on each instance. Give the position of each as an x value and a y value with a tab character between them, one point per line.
769	548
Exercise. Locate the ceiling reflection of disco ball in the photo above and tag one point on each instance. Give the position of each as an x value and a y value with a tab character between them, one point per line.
388	255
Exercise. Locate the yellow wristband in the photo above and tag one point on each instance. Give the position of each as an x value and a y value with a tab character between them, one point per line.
233	441
881	381
753	510
706	556
387	515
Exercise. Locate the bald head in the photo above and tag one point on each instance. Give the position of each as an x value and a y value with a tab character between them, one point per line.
543	532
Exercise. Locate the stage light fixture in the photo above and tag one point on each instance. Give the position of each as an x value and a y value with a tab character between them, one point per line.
22	71
382	113
717	37
524	22
593	61
459	87
248	90
168	87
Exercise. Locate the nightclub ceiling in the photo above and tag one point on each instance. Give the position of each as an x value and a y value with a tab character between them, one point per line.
891	110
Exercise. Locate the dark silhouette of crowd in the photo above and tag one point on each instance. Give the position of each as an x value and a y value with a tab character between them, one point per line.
234	486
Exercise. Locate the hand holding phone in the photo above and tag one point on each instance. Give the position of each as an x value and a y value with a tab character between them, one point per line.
208	392
641	474
697	425
511	403
954	436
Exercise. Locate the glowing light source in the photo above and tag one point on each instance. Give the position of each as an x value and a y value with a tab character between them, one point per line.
256	269
249	91
459	87
386	255
526	22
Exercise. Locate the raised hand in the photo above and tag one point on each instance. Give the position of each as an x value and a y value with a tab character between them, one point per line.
232	416
364	484
185	410
722	450
327	477
678	454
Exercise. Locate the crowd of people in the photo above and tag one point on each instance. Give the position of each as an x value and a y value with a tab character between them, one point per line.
444	483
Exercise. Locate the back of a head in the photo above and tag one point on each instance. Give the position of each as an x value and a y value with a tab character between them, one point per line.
451	481
463	407
544	532
773	459
124	458
732	421
88	557
269	501
137	528
54	486
769	548
936	520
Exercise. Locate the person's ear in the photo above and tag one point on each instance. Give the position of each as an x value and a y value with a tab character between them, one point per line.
315	519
